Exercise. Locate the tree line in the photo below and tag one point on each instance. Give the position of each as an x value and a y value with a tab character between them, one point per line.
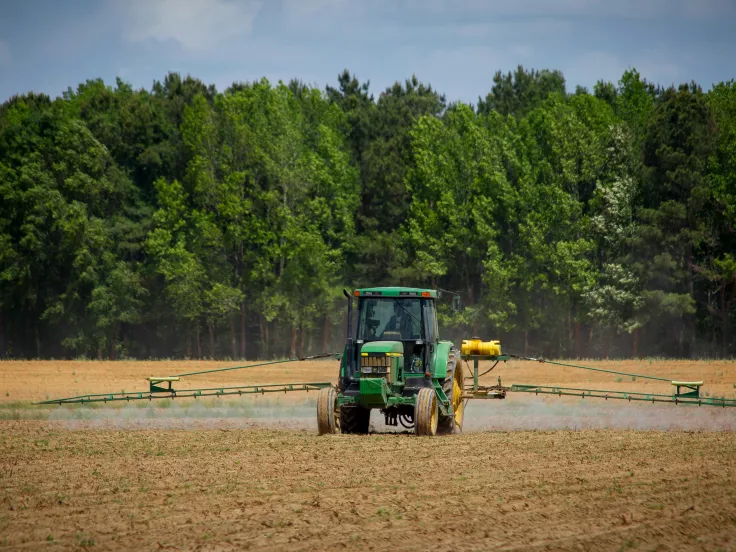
182	221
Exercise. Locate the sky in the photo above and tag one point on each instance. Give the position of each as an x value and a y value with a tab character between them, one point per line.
454	45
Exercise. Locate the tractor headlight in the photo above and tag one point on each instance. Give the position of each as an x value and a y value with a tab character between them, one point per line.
377	370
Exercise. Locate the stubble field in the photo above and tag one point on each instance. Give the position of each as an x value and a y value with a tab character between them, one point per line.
227	474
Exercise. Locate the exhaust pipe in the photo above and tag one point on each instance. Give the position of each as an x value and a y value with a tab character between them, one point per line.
350	313
350	347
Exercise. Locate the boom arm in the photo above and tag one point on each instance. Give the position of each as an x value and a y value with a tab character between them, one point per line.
686	392
156	391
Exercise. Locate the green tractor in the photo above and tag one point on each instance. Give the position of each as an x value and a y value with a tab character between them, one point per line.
395	362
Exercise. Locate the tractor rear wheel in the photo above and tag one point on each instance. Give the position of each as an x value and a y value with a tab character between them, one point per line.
453	388
354	419
426	412
328	414
458	405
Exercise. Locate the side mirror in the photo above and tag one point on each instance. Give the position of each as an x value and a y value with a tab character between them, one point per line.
456	303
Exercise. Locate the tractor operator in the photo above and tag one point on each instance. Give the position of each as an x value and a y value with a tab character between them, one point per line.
400	322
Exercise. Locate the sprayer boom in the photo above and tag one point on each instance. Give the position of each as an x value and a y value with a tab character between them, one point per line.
395	362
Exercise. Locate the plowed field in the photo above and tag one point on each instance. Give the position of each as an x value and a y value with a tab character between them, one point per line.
251	473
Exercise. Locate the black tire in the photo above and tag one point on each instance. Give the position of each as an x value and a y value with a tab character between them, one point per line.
328	416
448	425
426	412
354	419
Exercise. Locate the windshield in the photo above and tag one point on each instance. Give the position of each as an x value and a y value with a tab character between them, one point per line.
388	319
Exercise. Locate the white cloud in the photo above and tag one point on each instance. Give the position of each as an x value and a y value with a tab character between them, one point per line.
197	25
5	58
625	9
329	16
297	9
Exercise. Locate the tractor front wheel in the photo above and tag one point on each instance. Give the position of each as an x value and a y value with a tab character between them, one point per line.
354	419
328	414
426	412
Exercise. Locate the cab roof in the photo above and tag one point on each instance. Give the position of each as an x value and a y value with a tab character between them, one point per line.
396	292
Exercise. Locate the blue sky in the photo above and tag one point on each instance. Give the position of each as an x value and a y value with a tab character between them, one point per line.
455	45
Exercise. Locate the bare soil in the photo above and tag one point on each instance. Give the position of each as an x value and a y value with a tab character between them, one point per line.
251	473
41	380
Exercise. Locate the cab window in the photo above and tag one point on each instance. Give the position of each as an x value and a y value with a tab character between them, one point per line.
390	319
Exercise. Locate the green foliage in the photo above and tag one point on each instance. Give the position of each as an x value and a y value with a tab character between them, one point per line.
384	198
616	300
635	100
519	93
133	222
722	164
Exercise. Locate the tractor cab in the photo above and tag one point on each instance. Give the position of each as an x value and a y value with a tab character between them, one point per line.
390	319
404	317
404	314
391	322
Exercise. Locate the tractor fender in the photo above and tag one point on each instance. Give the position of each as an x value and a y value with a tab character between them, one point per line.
439	359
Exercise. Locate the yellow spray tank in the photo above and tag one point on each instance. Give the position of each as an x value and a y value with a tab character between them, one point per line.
475	346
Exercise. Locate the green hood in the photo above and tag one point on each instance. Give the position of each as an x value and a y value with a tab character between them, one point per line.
375	347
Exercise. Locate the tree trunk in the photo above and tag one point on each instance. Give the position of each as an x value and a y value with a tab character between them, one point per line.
689	340
724	324
233	337
325	333
294	336
471	295
302	335
590	341
2	335
199	342
211	325
526	342
112	355
242	330
267	341
262	337
578	340
635	351
189	344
